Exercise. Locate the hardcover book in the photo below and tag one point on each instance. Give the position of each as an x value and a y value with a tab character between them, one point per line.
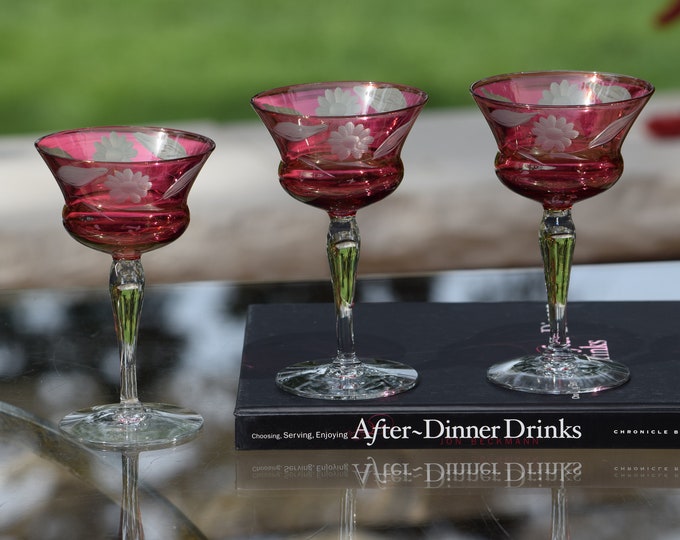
454	406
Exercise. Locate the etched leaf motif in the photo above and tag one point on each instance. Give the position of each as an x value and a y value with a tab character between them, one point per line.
281	110
530	157
316	165
495	97
611	131
382	99
391	99
566	155
609	94
161	147
80	176
59	152
511	118
553	155
392	141
295	132
183	182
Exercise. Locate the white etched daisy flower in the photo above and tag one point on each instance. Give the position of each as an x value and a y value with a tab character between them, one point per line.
338	102
350	140
563	94
554	133
127	186
114	148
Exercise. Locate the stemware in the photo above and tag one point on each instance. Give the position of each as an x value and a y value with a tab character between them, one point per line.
340	145
125	190
559	137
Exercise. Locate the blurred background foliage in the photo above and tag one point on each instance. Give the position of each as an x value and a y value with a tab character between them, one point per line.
72	63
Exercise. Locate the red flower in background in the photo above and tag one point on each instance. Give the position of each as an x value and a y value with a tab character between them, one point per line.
669	14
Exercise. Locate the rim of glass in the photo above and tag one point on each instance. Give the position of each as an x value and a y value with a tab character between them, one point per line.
329	85
128	129
474	87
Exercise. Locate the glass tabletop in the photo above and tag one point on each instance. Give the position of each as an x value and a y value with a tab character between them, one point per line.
58	353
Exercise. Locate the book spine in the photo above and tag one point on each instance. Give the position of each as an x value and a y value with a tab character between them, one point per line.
462	430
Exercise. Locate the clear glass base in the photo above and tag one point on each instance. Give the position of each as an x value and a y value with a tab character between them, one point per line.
115	427
564	374
369	378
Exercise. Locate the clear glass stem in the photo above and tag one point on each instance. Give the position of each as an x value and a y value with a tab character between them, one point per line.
128	424
557	237
560	529
130	527
126	285
558	368
342	246
347	376
348	515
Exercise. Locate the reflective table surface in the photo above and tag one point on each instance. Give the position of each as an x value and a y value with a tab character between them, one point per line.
58	353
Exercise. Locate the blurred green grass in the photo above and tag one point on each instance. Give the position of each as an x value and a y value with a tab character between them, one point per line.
71	63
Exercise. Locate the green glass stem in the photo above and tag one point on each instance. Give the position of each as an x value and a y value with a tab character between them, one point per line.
342	246
126	285
557	237
129	425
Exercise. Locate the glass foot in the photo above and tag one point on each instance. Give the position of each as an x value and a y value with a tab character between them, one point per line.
369	379
153	425
575	374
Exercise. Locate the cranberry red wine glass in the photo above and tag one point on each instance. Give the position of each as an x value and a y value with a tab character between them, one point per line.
125	190
340	145
559	137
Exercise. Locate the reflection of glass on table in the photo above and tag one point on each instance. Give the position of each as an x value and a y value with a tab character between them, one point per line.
209	490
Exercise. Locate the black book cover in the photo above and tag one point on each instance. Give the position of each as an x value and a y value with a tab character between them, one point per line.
454	406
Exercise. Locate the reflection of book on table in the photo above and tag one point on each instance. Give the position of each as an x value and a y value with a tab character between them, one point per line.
453	406
443	469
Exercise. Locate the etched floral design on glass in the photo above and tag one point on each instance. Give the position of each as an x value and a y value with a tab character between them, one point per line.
127	185
338	102
125	189
559	137
340	145
554	134
114	147
350	141
125	192
563	93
